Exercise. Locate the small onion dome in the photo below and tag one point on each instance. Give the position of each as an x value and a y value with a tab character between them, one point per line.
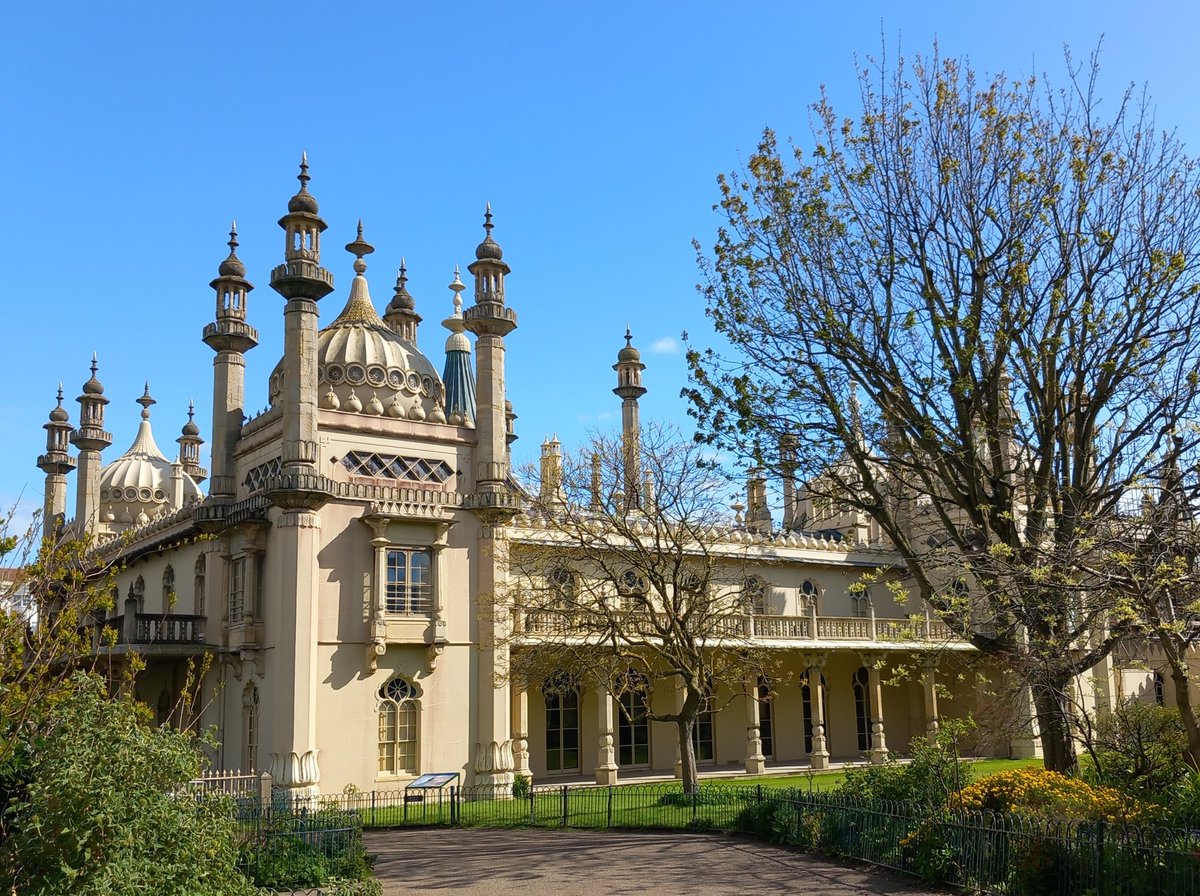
402	300
629	353
59	414
92	386
489	249
304	200
232	266
190	428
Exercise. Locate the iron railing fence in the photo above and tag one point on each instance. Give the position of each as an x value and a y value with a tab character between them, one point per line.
981	852
281	837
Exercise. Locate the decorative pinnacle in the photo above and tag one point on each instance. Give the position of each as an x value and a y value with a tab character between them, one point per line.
95	365
60	393
191	410
145	401
487	220
358	249
457	286
233	240
303	175
628	337
402	274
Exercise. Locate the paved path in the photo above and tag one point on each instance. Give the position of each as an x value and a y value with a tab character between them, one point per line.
605	863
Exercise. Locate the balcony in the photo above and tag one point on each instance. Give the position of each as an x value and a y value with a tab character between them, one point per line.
169	630
807	631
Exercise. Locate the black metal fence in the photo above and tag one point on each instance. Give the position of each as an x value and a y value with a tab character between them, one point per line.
979	851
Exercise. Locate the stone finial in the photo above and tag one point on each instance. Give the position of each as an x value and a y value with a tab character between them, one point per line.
146	401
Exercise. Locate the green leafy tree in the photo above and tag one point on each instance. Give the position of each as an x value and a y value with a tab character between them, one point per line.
108	811
978	298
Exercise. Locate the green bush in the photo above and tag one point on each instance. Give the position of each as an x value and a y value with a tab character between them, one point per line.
294	850
107	810
770	819
1139	748
933	774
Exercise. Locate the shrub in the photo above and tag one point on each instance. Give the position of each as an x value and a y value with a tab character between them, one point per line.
770	819
294	850
1045	794
930	778
107	811
1139	748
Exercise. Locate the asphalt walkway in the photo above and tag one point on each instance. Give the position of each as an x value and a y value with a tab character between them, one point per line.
482	862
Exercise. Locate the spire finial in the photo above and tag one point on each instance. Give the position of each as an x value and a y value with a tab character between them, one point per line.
487	220
303	175
628	337
358	249
60	393
145	401
457	286
95	365
233	240
191	410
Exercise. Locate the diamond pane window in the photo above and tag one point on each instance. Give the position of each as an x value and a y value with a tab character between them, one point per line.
391	466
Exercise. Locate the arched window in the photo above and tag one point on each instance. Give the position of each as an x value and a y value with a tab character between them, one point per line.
198	588
168	588
398	705
139	594
561	693
807	710
1159	688
692	584
862	706
809	596
754	594
564	588
250	728
631	590
633	722
766	723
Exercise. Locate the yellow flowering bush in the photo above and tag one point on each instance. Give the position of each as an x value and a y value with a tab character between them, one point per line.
1046	794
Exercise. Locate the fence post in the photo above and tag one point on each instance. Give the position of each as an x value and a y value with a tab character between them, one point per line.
531	808
564	805
695	799
758	792
610	799
265	785
1099	872
372	808
453	804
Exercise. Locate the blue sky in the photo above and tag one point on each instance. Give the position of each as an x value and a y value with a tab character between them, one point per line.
134	132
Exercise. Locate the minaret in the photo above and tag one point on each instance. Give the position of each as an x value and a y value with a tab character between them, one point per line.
90	438
299	490
629	389
303	282
494	502
56	463
551	488
400	315
230	337
189	442
758	511
490	320
458	375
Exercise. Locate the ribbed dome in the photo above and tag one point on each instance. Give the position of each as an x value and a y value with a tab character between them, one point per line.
359	353
139	481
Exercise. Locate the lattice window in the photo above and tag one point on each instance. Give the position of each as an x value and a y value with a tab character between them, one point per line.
257	476
754	593
250	728
392	466
237	590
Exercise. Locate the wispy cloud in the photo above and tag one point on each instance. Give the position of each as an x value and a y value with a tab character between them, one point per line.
668	345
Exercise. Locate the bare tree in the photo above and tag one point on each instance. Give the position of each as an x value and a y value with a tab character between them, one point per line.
980	297
634	591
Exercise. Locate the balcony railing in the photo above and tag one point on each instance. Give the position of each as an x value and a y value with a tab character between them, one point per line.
811	628
149	628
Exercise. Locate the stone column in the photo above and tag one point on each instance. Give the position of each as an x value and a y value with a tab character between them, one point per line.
606	756
819	758
1026	742
520	729
493	746
929	686
879	750
377	624
756	763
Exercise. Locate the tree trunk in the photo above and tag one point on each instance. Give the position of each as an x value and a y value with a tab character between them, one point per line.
1183	700
687	755
1054	724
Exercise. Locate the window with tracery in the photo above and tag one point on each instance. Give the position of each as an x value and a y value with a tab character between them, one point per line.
250	728
561	694
754	593
398	718
198	587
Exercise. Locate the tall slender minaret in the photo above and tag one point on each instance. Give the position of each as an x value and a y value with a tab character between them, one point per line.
230	337
299	490
303	282
458	375
90	438
56	463
629	389
494	502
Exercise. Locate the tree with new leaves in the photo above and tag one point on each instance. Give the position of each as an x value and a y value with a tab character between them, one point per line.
980	296
637	591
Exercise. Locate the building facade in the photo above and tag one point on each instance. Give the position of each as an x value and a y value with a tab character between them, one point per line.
336	583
